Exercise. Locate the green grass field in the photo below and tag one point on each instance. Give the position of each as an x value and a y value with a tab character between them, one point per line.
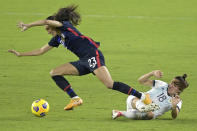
136	37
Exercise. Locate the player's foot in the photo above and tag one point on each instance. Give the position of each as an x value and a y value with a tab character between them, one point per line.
73	103
145	98
115	114
149	107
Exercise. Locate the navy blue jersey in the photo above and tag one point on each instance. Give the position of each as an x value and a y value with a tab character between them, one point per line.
73	40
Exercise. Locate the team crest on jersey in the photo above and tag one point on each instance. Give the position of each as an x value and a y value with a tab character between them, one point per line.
62	42
63	36
63	39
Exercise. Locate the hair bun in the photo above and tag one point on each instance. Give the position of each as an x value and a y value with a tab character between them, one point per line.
184	76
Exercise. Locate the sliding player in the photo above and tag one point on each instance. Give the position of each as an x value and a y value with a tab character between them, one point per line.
166	96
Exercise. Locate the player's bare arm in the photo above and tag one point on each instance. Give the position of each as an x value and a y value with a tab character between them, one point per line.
52	23
175	110
145	79
37	52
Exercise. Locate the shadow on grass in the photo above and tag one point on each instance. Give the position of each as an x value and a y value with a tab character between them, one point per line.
181	121
177	121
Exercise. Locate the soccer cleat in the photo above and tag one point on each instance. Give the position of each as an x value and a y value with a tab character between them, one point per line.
149	107
146	99
73	103
115	114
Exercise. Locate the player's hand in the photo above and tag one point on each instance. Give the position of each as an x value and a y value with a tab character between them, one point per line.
157	73
15	52
23	26
175	100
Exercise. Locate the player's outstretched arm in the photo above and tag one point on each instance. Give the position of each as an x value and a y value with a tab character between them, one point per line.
37	52
175	107
174	113
52	23
145	79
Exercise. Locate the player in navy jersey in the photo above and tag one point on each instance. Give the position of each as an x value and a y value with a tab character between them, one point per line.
61	26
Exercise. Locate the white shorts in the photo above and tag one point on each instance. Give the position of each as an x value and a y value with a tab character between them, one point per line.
139	115
128	102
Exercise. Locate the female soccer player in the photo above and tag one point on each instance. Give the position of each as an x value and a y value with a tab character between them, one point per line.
166	96
91	60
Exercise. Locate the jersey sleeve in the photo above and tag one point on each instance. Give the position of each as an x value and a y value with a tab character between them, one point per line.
54	42
65	25
159	84
179	105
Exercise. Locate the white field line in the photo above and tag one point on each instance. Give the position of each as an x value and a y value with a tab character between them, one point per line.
106	16
143	17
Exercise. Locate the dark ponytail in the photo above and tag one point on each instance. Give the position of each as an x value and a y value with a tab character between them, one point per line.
50	18
68	13
184	76
181	82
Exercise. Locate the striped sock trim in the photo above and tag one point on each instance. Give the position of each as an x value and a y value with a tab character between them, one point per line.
130	91
66	87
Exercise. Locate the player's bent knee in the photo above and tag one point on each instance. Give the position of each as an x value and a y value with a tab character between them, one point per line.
53	73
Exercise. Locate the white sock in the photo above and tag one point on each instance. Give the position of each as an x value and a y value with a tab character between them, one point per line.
75	97
133	114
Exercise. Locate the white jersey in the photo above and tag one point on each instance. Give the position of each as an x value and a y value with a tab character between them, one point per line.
159	96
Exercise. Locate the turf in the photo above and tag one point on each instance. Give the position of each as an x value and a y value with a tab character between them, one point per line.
136	37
